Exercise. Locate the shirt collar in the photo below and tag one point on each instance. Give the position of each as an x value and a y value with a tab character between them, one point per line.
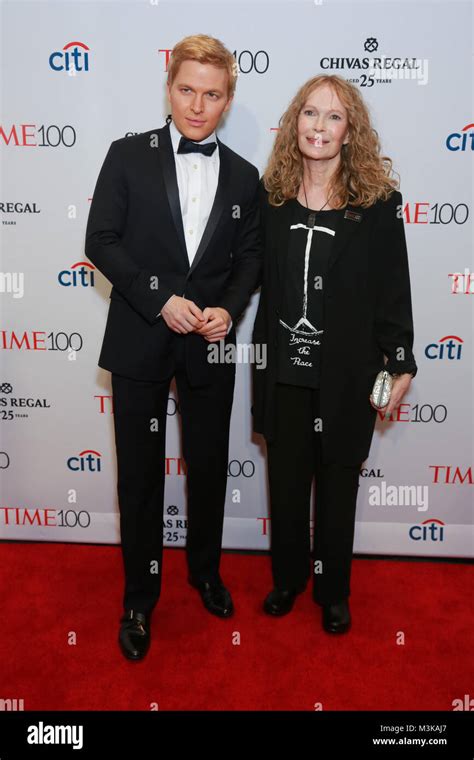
176	135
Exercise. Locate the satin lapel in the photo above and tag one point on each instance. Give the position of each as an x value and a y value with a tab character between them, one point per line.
345	229
168	168
220	199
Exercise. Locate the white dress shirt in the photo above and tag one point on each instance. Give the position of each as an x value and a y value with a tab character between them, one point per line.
197	177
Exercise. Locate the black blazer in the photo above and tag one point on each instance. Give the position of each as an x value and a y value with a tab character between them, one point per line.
368	314
135	234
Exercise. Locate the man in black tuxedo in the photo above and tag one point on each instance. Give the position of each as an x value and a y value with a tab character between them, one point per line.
174	225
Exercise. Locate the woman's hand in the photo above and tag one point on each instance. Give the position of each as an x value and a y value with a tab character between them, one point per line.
400	385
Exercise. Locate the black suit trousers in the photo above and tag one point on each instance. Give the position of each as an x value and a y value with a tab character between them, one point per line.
140	413
293	460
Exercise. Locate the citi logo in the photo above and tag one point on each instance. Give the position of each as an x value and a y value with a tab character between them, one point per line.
87	461
73	57
80	274
41	734
449	347
428	530
463	140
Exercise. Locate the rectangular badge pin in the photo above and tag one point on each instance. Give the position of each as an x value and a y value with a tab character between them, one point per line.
353	215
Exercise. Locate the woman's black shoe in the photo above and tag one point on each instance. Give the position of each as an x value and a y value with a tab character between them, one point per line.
279	601
215	597
337	617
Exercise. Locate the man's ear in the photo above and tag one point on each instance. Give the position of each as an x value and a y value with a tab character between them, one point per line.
229	103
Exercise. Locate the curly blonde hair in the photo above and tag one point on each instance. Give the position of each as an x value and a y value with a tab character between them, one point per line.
363	175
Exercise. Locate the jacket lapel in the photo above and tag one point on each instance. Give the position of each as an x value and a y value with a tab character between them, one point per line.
168	167
220	200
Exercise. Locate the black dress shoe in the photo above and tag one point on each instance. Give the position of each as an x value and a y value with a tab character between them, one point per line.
134	635
337	617
216	598
280	601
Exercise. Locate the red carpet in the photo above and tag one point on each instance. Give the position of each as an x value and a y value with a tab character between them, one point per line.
53	593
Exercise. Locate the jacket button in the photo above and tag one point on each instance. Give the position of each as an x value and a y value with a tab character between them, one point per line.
190	277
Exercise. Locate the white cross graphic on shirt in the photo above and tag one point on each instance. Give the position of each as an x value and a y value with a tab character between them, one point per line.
304	321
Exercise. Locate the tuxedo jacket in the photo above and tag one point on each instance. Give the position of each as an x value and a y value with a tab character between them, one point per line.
367	319
135	238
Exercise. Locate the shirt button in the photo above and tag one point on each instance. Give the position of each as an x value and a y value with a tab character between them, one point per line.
190	232
194	200
195	166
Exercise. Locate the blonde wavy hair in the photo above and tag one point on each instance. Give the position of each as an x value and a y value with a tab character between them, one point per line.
363	175
204	49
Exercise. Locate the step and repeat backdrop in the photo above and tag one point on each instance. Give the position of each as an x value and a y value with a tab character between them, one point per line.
92	72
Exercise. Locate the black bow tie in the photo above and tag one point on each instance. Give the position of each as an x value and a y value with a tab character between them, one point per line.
188	146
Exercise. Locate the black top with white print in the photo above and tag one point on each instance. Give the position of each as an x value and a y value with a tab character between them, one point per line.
301	332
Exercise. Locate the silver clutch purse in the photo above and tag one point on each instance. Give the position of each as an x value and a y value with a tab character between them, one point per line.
382	389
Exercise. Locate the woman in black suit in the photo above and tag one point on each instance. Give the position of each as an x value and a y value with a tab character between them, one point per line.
335	299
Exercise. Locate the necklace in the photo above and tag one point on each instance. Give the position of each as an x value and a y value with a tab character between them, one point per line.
306	198
312	215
